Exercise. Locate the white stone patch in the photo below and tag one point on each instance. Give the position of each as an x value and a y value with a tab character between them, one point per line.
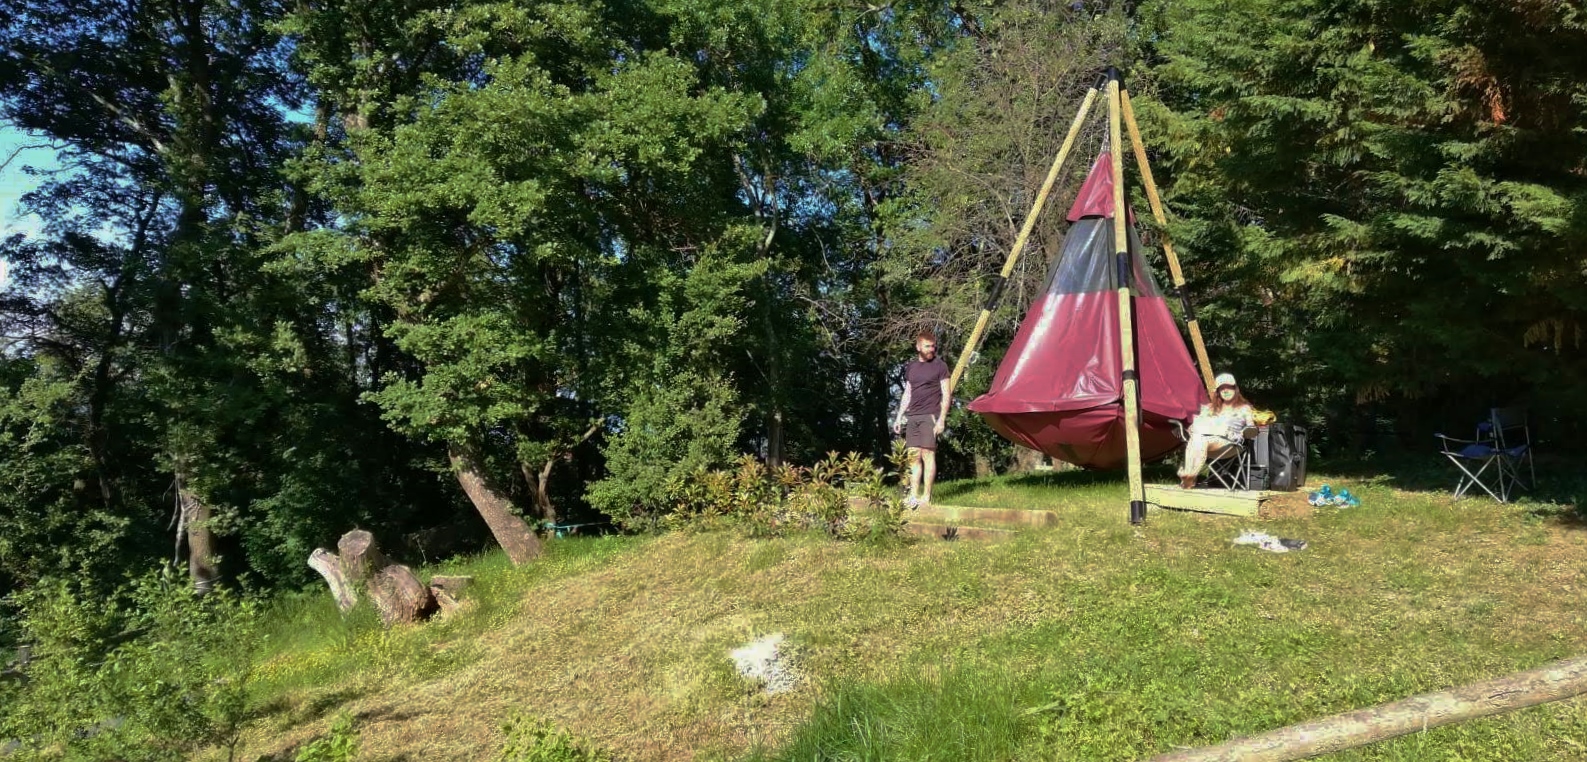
768	661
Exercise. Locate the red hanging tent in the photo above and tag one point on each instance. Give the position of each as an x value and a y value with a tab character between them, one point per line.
1060	388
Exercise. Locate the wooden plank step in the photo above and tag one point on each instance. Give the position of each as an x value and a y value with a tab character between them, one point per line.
944	532
955	514
1230	502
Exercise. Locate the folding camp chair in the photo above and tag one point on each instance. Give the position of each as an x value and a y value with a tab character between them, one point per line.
1514	436
1503	443
1231	468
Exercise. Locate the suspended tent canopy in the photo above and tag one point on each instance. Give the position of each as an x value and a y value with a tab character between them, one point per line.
1060	387
1097	374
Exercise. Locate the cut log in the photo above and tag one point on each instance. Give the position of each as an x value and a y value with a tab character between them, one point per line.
1551	682
453	585
399	596
361	558
330	567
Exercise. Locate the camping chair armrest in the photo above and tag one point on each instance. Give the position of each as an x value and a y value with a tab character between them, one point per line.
1448	438
1179	429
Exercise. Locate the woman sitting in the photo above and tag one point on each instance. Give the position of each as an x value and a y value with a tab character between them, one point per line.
1220	424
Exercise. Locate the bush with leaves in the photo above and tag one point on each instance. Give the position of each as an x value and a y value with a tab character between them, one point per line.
771	502
154	673
339	745
532	739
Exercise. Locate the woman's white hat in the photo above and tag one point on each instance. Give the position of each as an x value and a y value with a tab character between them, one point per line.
1224	379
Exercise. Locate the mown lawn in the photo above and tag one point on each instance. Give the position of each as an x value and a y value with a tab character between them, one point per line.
1093	640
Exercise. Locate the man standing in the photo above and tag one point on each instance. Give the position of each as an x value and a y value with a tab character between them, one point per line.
923	415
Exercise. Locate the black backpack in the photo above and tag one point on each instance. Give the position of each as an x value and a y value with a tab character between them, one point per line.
1278	458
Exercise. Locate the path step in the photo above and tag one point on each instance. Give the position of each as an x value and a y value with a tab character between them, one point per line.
998	517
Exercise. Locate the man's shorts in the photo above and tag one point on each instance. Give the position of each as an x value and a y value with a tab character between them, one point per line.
920	431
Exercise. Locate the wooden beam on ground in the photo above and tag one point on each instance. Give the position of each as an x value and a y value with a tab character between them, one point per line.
1551	682
1230	502
954	514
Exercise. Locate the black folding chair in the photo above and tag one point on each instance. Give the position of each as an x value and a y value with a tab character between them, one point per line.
1514	436
1504	444
1231	468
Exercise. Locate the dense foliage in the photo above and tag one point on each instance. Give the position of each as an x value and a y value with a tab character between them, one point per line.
450	270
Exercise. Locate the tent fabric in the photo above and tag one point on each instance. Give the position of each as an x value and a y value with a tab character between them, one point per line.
1060	387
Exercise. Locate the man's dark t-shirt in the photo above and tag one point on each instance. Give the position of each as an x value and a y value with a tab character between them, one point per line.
925	385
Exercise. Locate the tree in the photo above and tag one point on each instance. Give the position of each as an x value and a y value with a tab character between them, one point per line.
1400	186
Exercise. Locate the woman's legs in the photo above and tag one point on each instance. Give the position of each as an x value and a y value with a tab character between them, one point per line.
1197	450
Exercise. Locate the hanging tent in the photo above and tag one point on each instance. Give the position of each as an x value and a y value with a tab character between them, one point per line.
1060	388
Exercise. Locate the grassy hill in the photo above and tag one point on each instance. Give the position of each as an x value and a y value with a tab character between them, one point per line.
1091	640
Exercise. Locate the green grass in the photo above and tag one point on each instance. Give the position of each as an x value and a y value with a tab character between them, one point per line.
309	644
1170	638
1091	640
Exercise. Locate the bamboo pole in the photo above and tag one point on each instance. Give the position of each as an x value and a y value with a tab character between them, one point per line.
1126	267
1551	682
981	322
1156	202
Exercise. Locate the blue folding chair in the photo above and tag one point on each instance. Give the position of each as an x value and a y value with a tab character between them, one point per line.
1504	444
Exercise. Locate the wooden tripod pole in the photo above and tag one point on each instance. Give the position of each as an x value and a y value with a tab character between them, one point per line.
1126	268
1168	246
963	363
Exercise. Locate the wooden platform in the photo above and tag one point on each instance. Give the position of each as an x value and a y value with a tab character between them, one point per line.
1230	502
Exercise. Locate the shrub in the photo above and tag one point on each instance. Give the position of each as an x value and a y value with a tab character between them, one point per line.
156	673
531	739
339	745
771	502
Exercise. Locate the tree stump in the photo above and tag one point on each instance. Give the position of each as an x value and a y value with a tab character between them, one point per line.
361	558
396	591
399	596
330	567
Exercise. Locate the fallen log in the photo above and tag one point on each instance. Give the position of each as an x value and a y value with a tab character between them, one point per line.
330	566
1551	682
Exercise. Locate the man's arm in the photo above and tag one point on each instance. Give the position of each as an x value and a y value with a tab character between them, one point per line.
903	404
942	414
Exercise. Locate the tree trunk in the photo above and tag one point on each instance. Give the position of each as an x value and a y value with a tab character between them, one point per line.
510	531
983	467
330	567
200	540
538	482
1026	459
1552	682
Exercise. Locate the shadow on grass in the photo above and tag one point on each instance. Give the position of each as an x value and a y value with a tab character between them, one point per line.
1559	494
1153	473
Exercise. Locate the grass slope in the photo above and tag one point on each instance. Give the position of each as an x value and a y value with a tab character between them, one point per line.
1092	640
